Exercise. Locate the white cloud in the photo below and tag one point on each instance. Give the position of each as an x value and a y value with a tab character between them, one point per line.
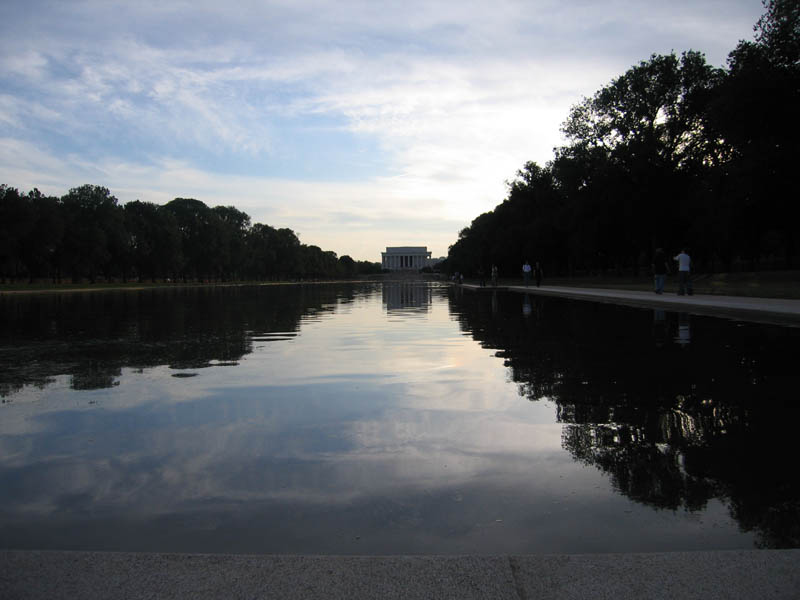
453	97
349	218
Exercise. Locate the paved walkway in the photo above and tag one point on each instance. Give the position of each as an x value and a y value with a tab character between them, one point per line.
763	574
763	310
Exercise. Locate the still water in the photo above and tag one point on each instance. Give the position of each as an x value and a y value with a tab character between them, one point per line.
391	419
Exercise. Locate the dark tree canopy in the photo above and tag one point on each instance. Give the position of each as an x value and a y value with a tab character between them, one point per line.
86	234
671	153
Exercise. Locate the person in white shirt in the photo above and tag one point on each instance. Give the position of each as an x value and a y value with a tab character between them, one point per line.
684	268
526	272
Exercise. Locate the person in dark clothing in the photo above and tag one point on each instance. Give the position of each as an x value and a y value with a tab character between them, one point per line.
538	273
660	269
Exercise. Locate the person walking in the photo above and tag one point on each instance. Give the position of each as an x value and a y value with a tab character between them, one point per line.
660	269
684	269
538	273
526	272
494	275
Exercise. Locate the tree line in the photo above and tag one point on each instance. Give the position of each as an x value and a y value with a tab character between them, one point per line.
88	235
673	153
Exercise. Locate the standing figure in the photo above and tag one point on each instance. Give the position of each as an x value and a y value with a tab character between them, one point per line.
684	267
526	272
538	273
494	275
660	269
482	276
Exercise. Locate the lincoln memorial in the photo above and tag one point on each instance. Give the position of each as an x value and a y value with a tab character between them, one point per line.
405	258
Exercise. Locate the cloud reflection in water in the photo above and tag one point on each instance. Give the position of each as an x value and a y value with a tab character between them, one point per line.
359	430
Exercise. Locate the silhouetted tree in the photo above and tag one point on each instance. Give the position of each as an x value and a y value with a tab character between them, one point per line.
17	219
200	242
287	253
94	232
154	239
41	246
262	252
347	266
233	226
754	116
672	152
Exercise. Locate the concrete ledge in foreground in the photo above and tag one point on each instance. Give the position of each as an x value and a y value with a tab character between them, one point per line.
703	575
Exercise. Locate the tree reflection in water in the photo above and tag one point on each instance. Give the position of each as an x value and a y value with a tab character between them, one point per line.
91	336
676	409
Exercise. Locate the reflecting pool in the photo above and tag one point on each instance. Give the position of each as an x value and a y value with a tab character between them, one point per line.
390	418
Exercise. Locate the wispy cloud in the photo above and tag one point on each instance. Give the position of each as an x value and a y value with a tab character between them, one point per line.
411	113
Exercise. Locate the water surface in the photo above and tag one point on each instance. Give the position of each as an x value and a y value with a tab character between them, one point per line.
388	419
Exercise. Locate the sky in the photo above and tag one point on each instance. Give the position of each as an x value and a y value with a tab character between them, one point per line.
357	124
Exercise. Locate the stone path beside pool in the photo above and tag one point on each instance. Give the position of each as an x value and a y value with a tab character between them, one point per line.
761	310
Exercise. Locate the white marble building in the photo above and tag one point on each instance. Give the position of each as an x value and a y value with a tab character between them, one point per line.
405	296
405	258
